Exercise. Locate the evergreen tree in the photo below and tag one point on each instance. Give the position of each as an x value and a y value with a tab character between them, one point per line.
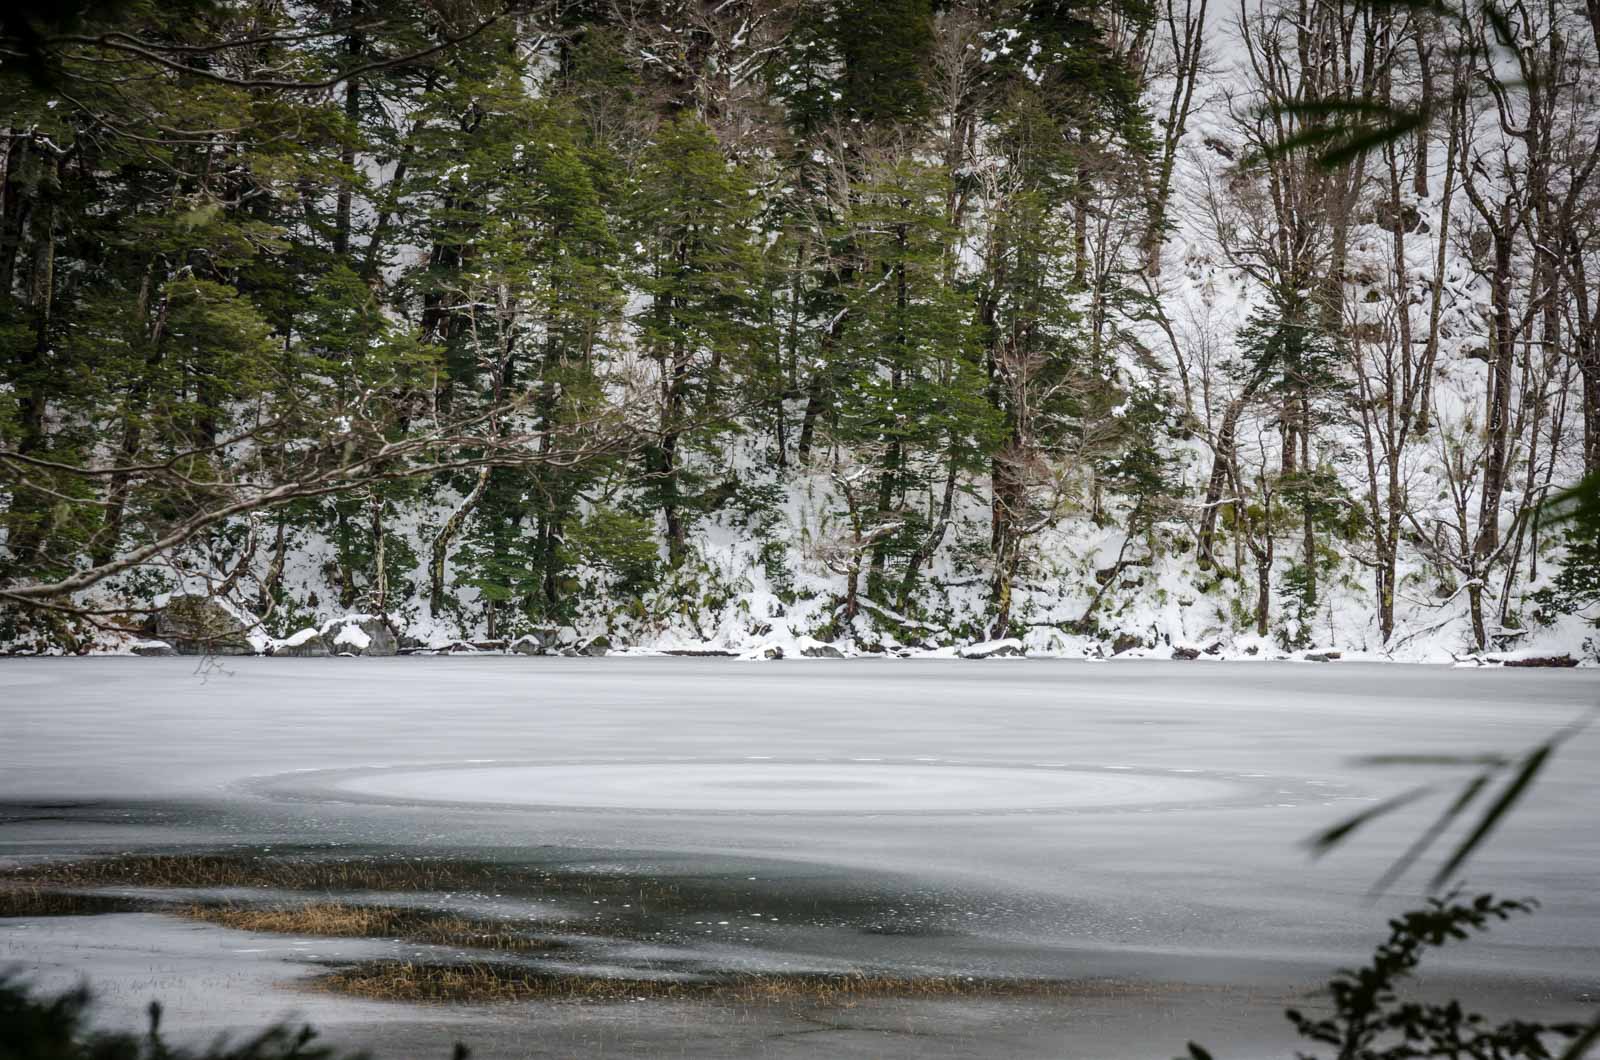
691	220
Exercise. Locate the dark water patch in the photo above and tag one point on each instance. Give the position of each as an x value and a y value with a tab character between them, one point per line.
25	900
660	901
122	812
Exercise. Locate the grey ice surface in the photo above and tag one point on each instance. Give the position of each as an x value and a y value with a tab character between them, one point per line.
1141	821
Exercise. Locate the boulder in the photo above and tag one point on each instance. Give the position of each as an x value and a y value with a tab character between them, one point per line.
1322	656
595	646
1186	654
993	649
1127	642
816	650
545	640
305	644
359	635
153	649
200	625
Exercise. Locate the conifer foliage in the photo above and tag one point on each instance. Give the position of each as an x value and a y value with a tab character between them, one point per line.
959	319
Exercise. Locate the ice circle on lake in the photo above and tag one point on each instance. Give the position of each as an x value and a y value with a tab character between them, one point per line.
836	786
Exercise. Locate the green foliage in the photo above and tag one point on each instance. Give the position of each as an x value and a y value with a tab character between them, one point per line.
885	45
1371	1022
1576	585
58	1028
1285	349
1298	607
621	544
690	219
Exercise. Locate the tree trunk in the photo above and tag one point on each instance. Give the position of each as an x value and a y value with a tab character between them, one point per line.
935	537
347	153
1310	538
1263	586
1221	460
267	600
110	534
1497	414
380	570
1005	577
1475	601
1589	370
17	198
446	534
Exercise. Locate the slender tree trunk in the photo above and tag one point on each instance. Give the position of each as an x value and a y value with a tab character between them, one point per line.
1480	634
1589	371
110	534
1497	414
930	544
443	539
380	567
272	584
1310	523
347	153
1221	460
1007	561
1263	586
17	197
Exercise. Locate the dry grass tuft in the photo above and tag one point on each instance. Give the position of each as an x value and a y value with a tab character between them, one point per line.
339	920
481	982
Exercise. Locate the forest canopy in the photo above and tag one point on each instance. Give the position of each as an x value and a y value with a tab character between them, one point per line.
1143	323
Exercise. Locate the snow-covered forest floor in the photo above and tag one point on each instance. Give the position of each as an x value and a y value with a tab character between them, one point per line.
585	329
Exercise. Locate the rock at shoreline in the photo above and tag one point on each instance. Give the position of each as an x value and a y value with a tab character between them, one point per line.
200	625
993	649
545	640
303	645
1127	642
359	635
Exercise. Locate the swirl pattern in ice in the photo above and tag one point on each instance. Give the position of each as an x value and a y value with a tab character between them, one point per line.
837	786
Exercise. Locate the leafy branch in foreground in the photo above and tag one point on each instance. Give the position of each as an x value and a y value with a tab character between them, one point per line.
58	1028
1515	775
1579	506
1370	1022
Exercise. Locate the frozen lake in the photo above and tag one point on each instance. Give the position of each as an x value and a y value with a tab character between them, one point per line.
1136	820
